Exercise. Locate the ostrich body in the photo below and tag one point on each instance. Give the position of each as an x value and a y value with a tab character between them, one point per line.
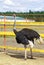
26	37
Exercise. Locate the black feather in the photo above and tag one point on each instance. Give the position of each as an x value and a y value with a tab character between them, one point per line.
24	35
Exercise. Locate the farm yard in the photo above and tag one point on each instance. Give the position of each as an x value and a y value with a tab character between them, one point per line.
21	32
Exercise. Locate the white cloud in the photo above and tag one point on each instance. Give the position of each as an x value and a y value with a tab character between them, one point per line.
38	9
5	6
8	2
33	0
21	5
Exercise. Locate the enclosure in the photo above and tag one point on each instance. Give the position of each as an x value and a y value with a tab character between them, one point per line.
9	45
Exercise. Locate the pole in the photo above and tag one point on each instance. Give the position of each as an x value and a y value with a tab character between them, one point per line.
4	32
26	19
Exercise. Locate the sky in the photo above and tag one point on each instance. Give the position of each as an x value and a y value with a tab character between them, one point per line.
21	5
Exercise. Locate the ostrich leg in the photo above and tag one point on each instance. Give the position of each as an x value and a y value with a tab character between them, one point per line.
25	52
31	46
31	53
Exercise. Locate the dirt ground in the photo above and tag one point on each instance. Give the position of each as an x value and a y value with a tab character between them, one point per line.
12	59
17	57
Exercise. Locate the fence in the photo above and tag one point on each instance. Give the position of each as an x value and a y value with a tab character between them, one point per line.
6	29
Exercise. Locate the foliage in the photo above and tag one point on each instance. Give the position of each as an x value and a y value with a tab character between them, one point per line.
34	15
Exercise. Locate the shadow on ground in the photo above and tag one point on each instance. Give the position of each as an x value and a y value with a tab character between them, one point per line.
21	56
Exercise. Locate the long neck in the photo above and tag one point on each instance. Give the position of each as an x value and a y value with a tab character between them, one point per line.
15	31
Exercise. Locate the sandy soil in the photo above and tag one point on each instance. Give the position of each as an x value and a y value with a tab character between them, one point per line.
18	58
10	59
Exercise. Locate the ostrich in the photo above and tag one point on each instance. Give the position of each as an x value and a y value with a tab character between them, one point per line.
26	37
